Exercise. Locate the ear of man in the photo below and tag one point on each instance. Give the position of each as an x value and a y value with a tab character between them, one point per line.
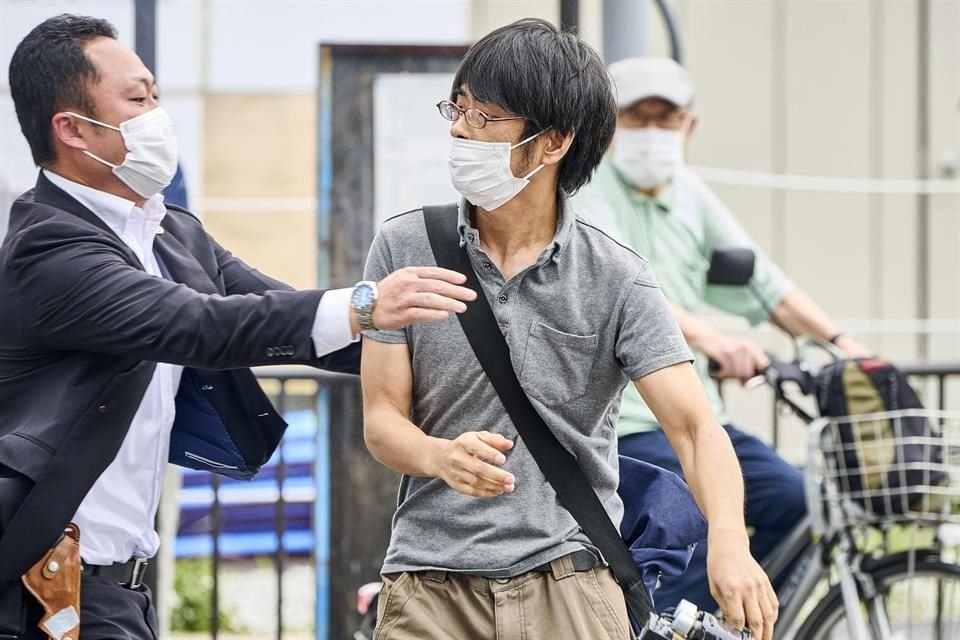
67	133
556	145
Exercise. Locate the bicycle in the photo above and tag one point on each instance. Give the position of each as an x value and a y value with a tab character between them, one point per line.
871	593
835	575
844	542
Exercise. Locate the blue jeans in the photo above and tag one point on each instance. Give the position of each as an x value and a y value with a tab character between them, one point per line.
775	503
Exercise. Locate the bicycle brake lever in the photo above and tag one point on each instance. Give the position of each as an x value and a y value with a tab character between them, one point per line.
718	630
690	623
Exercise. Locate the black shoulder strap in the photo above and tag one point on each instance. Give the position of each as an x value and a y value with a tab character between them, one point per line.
557	464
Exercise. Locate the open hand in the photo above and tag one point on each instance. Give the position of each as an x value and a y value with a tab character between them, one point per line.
467	464
419	294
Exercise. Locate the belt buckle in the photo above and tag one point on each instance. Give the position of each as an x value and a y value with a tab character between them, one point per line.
136	575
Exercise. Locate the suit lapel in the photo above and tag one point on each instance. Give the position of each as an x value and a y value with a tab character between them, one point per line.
177	259
50	194
180	263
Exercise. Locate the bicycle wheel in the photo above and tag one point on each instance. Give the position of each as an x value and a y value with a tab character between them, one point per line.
922	600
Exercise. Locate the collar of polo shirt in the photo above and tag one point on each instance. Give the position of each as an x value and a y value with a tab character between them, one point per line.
470	236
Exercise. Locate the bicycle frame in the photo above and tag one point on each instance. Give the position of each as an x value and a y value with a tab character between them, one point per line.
795	586
805	555
803	559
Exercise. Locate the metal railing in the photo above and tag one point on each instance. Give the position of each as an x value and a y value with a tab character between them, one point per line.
290	388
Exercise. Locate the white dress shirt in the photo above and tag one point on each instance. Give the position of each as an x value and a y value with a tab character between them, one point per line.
117	515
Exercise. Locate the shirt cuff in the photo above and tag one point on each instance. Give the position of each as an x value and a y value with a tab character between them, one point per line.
331	327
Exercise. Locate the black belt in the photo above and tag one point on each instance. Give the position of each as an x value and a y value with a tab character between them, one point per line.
127	574
582	559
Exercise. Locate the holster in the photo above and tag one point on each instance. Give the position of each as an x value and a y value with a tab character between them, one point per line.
55	582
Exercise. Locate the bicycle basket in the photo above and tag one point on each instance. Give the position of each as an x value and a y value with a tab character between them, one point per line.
893	466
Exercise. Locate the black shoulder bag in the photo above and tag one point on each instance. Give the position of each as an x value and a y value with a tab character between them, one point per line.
557	464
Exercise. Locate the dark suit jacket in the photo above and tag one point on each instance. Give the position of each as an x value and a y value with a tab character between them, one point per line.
81	328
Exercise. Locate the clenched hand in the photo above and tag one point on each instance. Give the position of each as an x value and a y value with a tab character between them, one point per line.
737	357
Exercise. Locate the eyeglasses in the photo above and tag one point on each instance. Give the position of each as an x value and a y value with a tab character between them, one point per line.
474	117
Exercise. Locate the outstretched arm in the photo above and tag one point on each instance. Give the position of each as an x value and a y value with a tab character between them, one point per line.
736	357
710	466
742	358
800	315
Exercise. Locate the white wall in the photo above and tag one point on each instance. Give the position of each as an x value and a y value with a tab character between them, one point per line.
830	89
209	47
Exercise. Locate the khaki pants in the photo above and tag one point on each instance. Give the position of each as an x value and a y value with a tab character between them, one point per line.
561	604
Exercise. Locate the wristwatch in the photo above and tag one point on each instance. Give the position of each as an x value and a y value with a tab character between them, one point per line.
363	300
835	337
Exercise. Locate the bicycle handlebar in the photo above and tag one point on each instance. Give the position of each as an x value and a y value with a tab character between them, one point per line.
687	622
779	372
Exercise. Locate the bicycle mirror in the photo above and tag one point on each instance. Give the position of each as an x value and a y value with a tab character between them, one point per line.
731	266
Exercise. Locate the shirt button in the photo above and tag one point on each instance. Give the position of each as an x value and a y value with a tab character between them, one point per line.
487	266
502	580
103	408
503	298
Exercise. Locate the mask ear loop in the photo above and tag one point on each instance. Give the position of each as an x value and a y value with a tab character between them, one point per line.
102	124
534	172
523	142
526	140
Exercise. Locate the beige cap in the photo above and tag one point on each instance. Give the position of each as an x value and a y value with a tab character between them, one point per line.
638	78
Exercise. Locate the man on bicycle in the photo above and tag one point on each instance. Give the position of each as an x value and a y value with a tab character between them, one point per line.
480	545
645	196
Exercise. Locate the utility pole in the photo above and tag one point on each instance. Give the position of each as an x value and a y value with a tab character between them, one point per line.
145	44
570	15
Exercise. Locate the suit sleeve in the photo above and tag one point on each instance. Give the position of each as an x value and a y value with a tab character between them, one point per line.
80	294
241	278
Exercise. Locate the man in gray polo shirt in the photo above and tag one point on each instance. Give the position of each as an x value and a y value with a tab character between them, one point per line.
481	547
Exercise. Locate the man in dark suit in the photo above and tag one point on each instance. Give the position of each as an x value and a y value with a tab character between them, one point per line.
109	299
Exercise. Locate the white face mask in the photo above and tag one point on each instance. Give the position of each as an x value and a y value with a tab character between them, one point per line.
151	160
480	171
647	157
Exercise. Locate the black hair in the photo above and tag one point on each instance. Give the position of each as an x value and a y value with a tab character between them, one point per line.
50	72
555	80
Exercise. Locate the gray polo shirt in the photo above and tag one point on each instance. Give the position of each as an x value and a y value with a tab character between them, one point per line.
583	320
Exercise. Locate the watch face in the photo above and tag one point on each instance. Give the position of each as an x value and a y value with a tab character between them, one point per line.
362	296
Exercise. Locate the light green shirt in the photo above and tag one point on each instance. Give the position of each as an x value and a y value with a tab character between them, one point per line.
678	231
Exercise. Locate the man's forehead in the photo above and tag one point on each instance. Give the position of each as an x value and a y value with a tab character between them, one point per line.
117	63
464	92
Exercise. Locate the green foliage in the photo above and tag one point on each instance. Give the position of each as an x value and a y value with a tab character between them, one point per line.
193	584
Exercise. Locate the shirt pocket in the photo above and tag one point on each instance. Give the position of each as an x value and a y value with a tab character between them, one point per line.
557	365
